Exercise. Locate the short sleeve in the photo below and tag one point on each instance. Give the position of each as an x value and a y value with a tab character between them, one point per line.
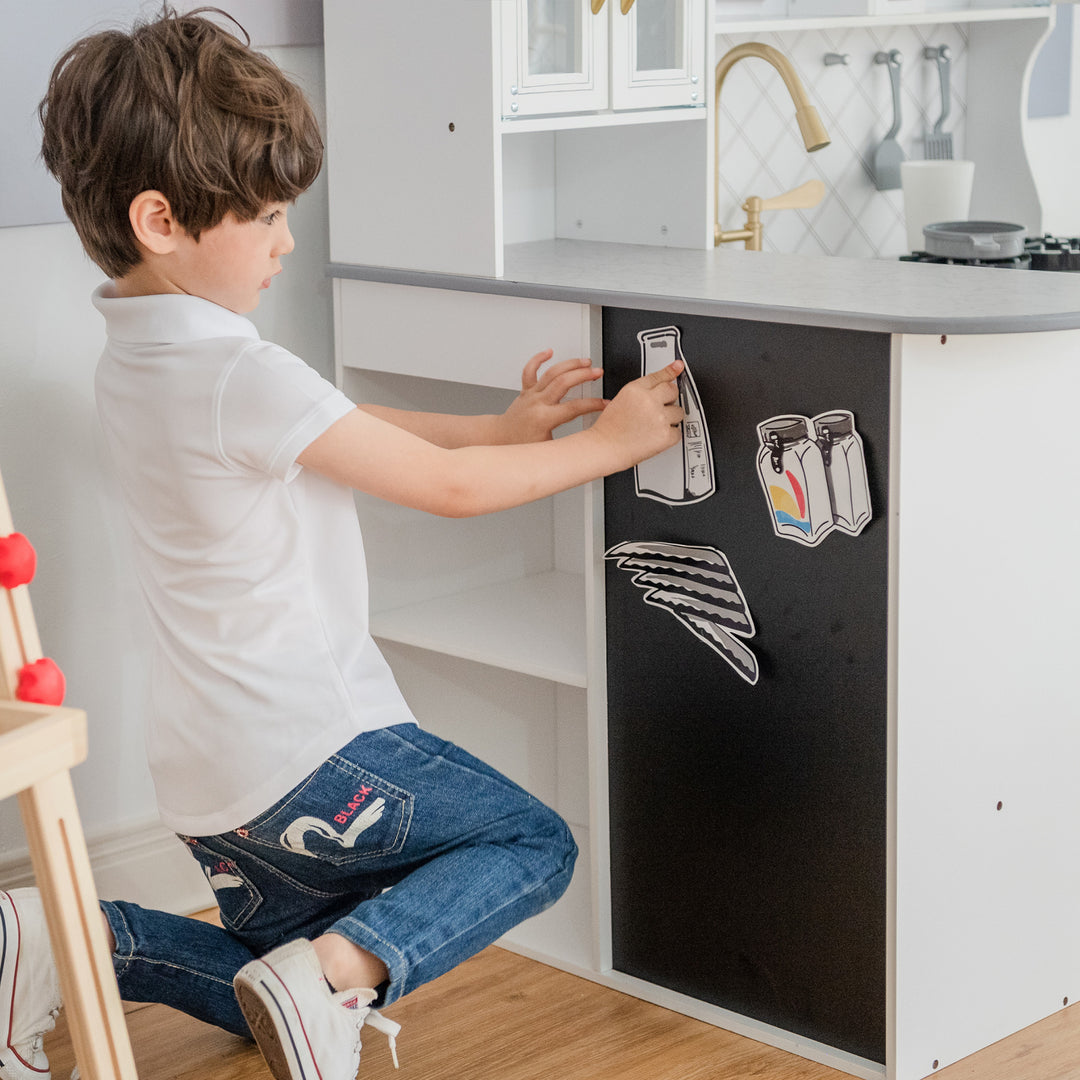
271	406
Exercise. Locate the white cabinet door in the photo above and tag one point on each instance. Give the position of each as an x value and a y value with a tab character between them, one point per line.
562	56
657	53
554	57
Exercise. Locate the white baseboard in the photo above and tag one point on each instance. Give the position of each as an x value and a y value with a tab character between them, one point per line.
143	863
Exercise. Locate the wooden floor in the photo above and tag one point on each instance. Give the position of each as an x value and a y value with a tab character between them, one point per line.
502	1017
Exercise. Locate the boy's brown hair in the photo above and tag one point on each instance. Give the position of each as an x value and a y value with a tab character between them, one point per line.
179	106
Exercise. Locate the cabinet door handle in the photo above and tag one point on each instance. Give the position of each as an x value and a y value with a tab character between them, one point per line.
626	5
596	6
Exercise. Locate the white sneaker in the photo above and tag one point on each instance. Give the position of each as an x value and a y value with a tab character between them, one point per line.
29	986
304	1030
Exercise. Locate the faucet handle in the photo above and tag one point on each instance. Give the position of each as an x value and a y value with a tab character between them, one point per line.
802	197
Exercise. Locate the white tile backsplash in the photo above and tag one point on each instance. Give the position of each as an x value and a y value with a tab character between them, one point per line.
761	152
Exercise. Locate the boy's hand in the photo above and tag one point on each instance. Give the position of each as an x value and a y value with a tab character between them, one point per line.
644	416
535	413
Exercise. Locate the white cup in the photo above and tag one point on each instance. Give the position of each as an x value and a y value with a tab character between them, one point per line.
934	191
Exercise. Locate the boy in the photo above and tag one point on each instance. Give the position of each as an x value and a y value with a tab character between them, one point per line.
353	855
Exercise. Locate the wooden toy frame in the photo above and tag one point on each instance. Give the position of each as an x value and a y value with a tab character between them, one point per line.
39	744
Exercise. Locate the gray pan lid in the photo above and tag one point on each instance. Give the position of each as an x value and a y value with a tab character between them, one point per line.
974	239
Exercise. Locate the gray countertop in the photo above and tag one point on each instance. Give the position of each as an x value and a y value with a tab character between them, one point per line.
888	296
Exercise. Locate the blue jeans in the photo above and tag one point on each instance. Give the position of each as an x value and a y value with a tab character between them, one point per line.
402	843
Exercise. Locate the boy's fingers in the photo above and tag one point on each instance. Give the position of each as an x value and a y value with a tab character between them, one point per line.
566	365
557	388
569	373
665	374
529	374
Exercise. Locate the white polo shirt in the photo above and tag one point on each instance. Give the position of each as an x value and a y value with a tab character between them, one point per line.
251	566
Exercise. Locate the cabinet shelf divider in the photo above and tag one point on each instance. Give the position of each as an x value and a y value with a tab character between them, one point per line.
534	625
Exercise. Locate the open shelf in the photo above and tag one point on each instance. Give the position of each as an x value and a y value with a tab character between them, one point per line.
534	625
605	118
907	18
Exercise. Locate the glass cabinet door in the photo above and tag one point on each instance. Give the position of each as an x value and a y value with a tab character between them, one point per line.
657	53
554	56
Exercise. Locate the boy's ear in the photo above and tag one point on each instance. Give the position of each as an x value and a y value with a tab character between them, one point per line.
153	223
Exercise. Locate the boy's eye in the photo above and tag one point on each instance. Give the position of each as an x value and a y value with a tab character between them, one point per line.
269	219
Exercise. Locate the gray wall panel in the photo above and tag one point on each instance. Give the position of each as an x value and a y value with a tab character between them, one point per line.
39	32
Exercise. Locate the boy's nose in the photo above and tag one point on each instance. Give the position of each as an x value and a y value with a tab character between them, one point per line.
285	242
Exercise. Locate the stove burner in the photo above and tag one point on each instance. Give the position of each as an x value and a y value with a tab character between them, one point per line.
1054	253
1016	262
1061	253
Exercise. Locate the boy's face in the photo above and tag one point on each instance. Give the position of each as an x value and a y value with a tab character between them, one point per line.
232	262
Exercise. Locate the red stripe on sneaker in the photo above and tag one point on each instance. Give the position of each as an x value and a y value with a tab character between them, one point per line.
32	1068
15	975
14	981
311	1051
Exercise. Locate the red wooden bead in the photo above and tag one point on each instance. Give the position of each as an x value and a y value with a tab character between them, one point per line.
17	560
41	682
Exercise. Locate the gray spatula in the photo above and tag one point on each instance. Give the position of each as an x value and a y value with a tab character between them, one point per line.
938	142
888	155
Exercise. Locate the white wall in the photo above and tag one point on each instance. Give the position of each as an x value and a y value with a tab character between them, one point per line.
61	499
1053	149
51	457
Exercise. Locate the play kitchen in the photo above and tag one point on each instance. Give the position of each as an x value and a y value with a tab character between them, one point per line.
672	171
750	685
937	194
936	189
922	120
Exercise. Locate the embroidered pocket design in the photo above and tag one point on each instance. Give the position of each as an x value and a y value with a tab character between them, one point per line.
238	898
340	815
294	835
222	880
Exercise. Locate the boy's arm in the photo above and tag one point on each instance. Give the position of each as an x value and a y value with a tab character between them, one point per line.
531	417
365	452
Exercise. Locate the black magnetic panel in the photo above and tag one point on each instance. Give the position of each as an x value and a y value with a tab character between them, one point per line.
748	822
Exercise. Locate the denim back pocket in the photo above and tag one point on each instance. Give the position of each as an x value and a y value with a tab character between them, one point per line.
340	814
237	897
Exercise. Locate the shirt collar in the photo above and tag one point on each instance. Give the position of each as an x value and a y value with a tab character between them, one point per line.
167	318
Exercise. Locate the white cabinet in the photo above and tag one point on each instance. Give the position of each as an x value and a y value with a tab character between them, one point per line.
491	624
431	170
554	57
459	337
658	55
426	174
496	631
561	56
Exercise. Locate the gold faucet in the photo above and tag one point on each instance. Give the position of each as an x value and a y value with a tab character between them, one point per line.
810	126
